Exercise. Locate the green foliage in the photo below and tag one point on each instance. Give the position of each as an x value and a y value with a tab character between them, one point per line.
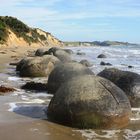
2	25
42	37
16	25
37	36
3	33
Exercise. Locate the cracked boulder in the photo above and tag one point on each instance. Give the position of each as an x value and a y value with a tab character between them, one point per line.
90	101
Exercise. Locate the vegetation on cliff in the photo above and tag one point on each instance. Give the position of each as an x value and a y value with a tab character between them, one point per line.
3	32
21	30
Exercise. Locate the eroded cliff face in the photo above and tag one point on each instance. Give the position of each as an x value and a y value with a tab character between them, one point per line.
50	39
14	40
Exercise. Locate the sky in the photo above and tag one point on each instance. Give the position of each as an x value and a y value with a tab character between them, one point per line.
79	20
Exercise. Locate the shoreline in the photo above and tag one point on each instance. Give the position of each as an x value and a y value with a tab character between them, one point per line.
16	126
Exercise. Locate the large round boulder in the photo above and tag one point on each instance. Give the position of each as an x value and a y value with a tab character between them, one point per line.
63	73
62	55
86	63
40	52
69	51
22	62
52	50
90	102
129	82
38	66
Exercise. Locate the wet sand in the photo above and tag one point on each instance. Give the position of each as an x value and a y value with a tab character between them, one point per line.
14	126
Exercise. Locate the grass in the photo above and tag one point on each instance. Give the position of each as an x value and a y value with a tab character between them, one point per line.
3	33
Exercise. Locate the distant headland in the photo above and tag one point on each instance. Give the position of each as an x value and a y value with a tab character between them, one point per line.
98	43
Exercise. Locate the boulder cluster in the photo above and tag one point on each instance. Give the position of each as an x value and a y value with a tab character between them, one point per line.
82	99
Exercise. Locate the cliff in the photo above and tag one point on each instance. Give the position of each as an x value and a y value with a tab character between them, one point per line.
14	32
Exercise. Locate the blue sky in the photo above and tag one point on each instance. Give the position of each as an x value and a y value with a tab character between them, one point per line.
79	20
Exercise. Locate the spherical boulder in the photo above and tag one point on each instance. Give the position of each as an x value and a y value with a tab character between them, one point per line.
64	72
22	62
69	51
90	102
129	82
40	52
85	63
38	66
53	50
62	55
102	56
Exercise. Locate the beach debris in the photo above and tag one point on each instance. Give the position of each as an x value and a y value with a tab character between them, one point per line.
4	89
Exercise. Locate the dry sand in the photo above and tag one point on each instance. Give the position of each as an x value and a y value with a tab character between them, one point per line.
19	127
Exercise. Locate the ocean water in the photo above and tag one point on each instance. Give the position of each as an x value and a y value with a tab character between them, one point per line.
119	56
32	104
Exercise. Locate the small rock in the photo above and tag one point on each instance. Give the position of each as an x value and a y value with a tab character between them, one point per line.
105	64
81	53
102	56
130	67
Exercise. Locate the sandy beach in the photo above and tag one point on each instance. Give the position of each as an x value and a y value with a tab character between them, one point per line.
20	127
